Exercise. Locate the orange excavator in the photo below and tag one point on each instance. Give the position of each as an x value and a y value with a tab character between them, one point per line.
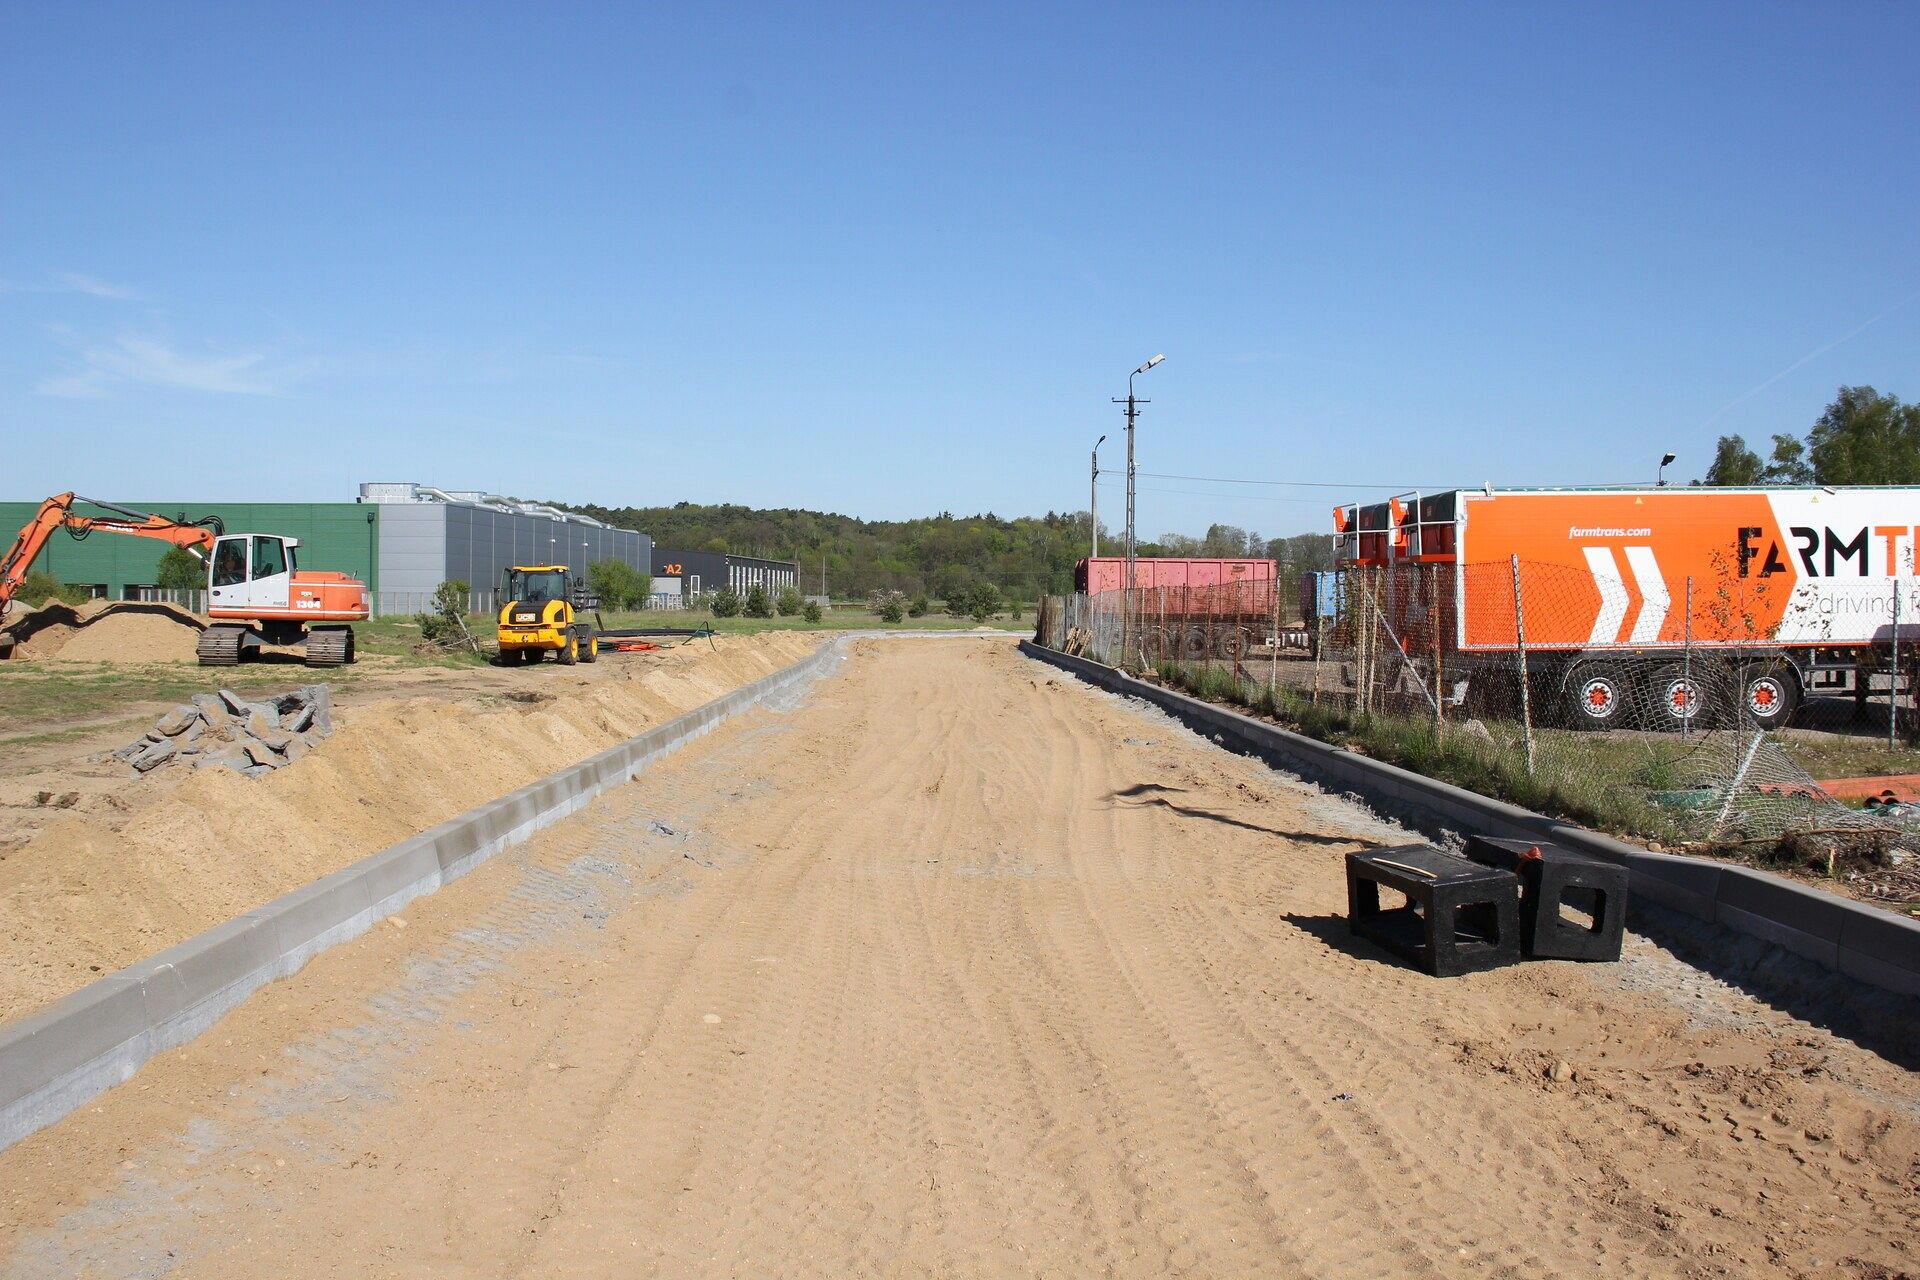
256	593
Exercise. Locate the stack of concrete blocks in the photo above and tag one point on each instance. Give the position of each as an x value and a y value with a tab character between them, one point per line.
225	731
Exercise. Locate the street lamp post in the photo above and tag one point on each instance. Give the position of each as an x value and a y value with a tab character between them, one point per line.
1660	476
1093	497
1133	411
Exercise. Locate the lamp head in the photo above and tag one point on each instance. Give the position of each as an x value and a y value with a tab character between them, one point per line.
1149	364
1666	460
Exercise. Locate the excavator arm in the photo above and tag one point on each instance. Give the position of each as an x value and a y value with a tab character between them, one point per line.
57	513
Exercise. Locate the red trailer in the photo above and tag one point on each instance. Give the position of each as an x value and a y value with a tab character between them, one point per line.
1109	573
1188	608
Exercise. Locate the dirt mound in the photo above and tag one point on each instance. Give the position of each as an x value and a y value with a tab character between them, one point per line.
183	850
40	632
121	631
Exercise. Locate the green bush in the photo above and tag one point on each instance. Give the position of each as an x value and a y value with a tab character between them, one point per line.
983	601
890	605
725	603
758	604
618	584
444	623
181	570
789	602
812	611
918	606
40	587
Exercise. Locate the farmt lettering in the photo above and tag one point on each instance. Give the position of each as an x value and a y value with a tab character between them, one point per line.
1827	553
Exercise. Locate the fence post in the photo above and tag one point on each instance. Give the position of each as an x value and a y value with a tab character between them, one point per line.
1686	658
1273	654
1319	647
1186	620
1363	657
1893	676
1520	637
1434	616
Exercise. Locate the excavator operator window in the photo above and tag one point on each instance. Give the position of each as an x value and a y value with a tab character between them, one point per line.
269	558
230	562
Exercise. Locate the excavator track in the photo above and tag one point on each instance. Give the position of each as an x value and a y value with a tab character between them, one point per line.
329	646
220	646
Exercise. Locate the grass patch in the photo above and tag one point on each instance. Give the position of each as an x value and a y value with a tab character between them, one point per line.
1606	795
1834	755
34	692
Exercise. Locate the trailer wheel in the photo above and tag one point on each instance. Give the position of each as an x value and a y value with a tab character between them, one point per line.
1681	699
1769	694
1194	644
1598	696
1232	642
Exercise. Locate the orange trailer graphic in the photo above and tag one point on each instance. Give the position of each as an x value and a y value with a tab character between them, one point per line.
1794	589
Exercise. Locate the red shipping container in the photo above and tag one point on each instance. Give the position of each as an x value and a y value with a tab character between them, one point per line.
1109	573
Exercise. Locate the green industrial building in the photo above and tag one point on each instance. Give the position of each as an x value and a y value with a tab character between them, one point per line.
401	539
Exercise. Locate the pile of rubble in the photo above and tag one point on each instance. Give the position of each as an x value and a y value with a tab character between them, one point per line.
225	731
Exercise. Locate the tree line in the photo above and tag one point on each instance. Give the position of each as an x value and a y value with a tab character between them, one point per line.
1864	437
945	557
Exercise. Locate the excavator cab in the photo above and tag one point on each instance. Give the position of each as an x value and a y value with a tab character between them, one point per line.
251	570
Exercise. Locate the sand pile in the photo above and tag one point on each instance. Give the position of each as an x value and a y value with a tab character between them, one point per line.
39	633
187	849
127	636
121	631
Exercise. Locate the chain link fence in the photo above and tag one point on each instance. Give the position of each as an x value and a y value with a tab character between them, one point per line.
1680	721
193	600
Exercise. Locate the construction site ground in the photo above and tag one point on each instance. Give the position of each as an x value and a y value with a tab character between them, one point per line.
957	967
100	867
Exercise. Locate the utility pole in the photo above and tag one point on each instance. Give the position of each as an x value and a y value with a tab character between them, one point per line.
1133	404
1093	497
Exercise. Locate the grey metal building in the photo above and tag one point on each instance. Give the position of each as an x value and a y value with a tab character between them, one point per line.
702	572
428	536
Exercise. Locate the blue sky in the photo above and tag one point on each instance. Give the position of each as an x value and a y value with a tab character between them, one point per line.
891	260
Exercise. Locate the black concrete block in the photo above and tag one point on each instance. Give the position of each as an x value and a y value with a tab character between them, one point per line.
1552	877
1460	917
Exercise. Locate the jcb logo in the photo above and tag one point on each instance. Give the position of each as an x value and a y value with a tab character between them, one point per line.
1823	553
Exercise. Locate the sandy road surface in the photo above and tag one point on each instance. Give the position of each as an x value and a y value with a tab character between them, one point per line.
958	968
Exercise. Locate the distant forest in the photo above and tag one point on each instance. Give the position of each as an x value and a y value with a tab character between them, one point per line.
941	556
1863	437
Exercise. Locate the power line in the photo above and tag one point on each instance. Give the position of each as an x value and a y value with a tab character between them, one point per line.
1283	484
1373	485
1230	497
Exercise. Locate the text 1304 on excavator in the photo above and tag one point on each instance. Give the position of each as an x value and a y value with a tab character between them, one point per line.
256	593
541	616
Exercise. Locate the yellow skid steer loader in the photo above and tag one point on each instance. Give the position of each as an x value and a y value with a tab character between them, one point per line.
541	617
